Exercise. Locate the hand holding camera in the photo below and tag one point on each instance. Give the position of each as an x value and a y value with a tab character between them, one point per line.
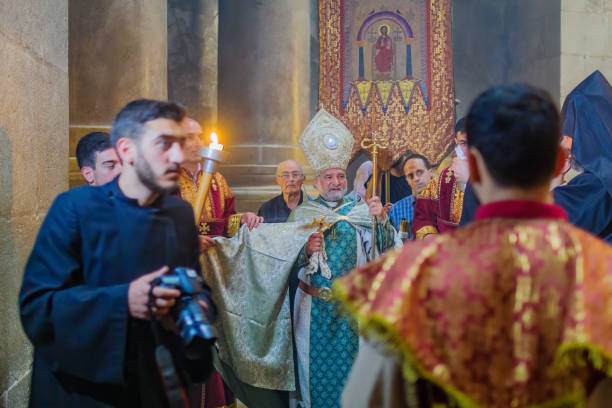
138	296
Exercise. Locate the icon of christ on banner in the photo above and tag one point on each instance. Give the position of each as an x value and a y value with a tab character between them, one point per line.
384	51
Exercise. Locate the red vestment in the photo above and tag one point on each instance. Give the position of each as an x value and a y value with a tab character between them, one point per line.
513	310
438	207
219	206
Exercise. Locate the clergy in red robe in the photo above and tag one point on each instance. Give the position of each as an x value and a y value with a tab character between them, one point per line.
510	311
218	218
439	206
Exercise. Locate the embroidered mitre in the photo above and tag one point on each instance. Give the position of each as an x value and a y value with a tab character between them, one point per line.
326	143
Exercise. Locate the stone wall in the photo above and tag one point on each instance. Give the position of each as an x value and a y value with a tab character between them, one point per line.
33	159
118	53
586	41
266	85
193	48
533	43
504	41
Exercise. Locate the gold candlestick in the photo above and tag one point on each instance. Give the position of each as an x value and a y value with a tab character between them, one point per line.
373	144
212	155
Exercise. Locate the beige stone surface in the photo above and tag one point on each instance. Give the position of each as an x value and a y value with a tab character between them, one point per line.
193	48
266	91
585	33
586	41
19	393
33	167
118	53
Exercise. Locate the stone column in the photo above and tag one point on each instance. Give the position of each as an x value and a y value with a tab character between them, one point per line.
117	53
193	48
586	41
267	90
33	167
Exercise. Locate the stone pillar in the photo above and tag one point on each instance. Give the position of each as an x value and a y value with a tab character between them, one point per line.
193	48
499	41
117	53
33	167
586	41
267	90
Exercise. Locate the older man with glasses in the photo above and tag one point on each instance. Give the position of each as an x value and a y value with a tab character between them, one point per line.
290	177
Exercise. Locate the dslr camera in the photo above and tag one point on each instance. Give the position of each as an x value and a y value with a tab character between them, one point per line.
192	320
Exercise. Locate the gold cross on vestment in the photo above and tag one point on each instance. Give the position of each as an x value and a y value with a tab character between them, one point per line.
320	224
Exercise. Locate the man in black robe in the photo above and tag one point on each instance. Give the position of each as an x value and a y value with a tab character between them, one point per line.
290	177
85	289
587	120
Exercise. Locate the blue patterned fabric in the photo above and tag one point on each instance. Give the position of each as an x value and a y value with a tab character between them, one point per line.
333	340
402	210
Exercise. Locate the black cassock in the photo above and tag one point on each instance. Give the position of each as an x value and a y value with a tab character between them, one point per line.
587	119
588	204
88	351
276	209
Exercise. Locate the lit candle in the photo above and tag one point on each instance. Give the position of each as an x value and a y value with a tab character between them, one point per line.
214	142
212	155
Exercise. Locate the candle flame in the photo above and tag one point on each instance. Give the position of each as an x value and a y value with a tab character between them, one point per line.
214	142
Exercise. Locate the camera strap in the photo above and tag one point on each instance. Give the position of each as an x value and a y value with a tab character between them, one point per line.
175	390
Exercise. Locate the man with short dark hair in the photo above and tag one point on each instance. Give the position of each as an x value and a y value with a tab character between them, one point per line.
506	312
290	177
439	206
418	173
87	282
97	159
398	187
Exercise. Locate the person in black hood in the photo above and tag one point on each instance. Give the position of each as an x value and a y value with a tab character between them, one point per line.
587	120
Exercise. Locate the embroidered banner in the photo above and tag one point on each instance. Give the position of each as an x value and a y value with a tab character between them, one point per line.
389	69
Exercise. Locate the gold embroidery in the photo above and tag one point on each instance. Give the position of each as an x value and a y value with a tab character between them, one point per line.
204	228
233	224
456	204
540	311
426	128
431	190
426	230
449	174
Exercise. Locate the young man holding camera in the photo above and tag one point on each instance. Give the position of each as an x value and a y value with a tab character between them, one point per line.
87	282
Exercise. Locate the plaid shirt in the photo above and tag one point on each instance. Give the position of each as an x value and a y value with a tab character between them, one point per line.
402	210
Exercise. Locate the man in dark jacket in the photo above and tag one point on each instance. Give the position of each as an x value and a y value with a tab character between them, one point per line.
86	284
290	177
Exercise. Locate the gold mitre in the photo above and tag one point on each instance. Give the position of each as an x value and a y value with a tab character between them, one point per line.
326	143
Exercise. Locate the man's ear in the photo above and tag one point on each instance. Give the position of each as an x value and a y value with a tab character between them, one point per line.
561	161
88	174
474	171
126	149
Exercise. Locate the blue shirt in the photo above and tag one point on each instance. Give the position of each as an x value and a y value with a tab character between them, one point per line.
402	210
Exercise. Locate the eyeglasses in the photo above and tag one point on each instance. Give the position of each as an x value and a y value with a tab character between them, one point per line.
295	175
